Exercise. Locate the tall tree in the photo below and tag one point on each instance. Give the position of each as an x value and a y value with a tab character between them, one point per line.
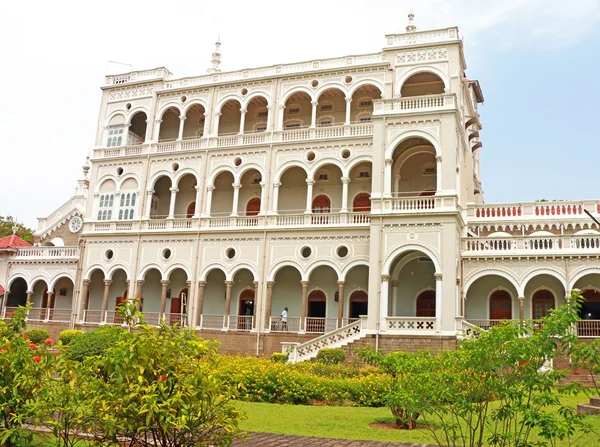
6	229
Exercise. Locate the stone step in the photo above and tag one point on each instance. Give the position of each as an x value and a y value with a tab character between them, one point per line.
595	401
587	409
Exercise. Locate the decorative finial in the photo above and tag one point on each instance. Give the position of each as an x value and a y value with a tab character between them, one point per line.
411	28
15	229
216	57
86	166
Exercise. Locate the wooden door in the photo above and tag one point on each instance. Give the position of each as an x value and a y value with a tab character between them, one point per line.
590	308
246	309
321	204
317	308
426	304
542	302
191	210
500	305
253	207
362	203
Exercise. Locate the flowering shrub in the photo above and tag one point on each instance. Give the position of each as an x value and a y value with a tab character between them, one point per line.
279	357
331	355
37	335
262	380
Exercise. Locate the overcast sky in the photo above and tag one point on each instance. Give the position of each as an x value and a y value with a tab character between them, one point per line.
537	61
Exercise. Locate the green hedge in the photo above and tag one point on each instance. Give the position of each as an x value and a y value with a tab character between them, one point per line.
93	343
279	357
263	380
68	335
331	356
37	335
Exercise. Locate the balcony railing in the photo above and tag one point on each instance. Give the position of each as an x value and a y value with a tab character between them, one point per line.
414	104
240	322
532	210
473	246
47	253
257	138
421	325
43	314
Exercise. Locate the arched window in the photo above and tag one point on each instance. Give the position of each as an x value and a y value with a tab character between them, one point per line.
121	214
122	199
253	207
321	204
362	203
191	210
127	206
542	302
105	207
426	304
133	199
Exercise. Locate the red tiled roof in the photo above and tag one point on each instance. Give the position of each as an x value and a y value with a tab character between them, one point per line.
13	241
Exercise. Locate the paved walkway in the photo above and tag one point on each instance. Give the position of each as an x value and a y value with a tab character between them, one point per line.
273	440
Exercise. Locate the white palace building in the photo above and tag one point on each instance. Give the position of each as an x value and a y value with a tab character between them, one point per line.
346	190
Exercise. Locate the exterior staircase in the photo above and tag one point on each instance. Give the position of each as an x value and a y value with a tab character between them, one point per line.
300	352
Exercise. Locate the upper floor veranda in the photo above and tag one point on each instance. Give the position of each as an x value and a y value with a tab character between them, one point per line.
415	73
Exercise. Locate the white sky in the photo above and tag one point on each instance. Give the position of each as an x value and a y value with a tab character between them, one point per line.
55	53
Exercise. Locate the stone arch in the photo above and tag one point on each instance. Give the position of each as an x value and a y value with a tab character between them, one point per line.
542	271
257	94
330	86
92	268
104	179
242	266
214	266
167	106
322	163
226	99
183	172
288	165
351	265
134	111
31	284
413	133
282	264
60	276
320	263
355	162
111	271
175	266
247	167
128	177
295	90
580	273
156	177
149	267
489	272
192	103
217	171
114	114
410	247
368	81
422	69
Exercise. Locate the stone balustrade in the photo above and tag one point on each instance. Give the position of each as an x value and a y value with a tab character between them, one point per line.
483	246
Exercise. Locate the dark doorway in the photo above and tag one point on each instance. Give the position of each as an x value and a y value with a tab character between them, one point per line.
426	304
590	309
500	305
359	304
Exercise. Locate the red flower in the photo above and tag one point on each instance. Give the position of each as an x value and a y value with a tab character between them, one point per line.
37	359
2	351
9	314
32	345
56	353
26	337
48	341
161	378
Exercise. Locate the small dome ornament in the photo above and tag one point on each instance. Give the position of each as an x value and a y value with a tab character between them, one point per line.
411	28
86	166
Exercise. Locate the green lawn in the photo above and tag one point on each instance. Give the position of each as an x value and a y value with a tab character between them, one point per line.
353	422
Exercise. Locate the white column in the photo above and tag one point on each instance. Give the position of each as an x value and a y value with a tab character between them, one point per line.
384	300
269	119
209	192
345	182
242	120
309	194
216	123
438	301
172	203
96	206
206	130
394	296
438	172
313	119
181	124
263	198
148	134
236	199
276	186
148	211
157	129
281	116
387	178
198	200
348	103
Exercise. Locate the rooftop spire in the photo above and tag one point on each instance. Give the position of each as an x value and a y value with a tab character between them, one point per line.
411	28
216	57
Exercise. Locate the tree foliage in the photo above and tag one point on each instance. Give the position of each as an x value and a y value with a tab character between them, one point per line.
6	229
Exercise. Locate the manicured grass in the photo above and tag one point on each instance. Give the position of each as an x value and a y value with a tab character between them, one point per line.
353	422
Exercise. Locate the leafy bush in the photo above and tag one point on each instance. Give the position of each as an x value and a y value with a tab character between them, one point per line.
332	356
279	357
263	380
37	335
94	343
68	335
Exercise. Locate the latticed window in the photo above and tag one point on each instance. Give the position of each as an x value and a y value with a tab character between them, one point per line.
127	206
115	137
105	206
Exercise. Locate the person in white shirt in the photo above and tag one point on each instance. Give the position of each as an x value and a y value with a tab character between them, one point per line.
284	319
